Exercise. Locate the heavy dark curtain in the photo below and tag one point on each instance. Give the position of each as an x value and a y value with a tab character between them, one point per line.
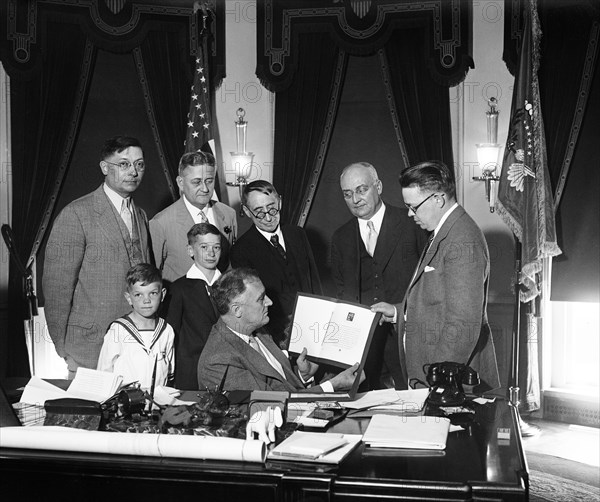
168	70
48	51
46	105
302	112
428	48
422	104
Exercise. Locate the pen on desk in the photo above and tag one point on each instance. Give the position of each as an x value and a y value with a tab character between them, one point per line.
153	384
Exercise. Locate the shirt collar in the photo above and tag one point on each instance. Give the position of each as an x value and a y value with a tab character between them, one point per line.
444	218
114	197
377	219
193	210
195	273
278	232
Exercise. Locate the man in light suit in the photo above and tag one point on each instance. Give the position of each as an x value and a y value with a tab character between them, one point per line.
443	316
239	349
368	276
285	266
94	241
169	228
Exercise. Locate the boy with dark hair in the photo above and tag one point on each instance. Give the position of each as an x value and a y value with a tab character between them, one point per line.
190	309
138	341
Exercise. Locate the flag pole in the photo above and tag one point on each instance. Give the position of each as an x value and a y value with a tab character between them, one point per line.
527	430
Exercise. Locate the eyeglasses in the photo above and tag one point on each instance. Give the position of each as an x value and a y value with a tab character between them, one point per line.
359	190
125	165
414	209
260	215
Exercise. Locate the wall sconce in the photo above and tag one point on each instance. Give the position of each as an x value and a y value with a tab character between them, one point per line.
487	155
241	160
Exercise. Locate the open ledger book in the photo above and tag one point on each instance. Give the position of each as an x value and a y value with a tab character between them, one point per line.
334	332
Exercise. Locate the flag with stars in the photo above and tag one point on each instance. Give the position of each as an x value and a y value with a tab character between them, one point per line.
524	194
199	129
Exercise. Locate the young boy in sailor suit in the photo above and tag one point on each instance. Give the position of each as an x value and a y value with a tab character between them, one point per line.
135	341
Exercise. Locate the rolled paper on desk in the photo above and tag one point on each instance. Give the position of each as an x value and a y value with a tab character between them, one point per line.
114	443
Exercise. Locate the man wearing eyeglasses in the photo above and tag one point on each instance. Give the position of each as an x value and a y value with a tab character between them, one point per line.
373	256
93	242
169	228
281	254
443	316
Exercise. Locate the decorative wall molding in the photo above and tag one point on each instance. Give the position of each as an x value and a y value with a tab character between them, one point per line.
362	28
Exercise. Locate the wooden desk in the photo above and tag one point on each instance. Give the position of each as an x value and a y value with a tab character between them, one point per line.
476	465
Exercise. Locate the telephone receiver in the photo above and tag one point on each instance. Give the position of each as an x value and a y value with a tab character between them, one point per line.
446	380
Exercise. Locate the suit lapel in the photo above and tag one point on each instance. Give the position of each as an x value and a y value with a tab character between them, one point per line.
389	237
435	245
106	218
183	218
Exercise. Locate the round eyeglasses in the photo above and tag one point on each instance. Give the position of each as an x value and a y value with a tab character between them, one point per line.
260	215
125	165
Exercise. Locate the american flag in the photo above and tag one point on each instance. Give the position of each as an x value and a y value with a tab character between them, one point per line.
199	134
199	130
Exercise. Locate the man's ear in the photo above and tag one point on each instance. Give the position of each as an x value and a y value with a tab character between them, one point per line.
104	167
236	310
179	180
190	251
127	297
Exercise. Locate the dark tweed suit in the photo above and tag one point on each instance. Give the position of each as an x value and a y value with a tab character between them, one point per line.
86	262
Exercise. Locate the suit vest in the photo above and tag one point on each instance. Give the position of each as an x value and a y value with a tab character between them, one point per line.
371	279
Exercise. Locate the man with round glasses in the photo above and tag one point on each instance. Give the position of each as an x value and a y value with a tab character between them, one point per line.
443	316
93	242
373	256
281	254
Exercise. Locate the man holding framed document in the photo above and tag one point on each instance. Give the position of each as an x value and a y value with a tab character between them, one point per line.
242	352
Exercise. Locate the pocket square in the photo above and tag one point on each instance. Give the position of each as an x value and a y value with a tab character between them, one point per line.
429	269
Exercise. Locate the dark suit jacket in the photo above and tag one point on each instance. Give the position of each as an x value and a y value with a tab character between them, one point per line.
254	251
192	314
399	246
446	304
169	230
85	266
246	368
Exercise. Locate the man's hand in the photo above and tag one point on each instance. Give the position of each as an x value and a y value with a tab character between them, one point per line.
306	368
387	310
345	379
265	418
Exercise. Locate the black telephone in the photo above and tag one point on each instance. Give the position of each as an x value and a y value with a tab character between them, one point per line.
446	381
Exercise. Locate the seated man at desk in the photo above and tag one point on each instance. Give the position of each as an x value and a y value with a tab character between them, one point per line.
239	349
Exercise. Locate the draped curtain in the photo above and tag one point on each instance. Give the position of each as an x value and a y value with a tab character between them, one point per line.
428	49
302	113
422	104
168	69
46	107
48	51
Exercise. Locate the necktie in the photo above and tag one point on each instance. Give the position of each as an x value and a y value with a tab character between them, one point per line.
254	344
264	351
371	238
203	216
126	215
277	246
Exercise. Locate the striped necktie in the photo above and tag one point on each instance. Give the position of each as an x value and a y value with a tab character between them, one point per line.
277	246
371	238
126	215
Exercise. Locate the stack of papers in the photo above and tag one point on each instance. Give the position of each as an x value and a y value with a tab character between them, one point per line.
30	414
315	447
390	400
422	432
88	384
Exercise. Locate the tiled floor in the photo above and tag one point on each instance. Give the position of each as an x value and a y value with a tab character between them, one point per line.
573	442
